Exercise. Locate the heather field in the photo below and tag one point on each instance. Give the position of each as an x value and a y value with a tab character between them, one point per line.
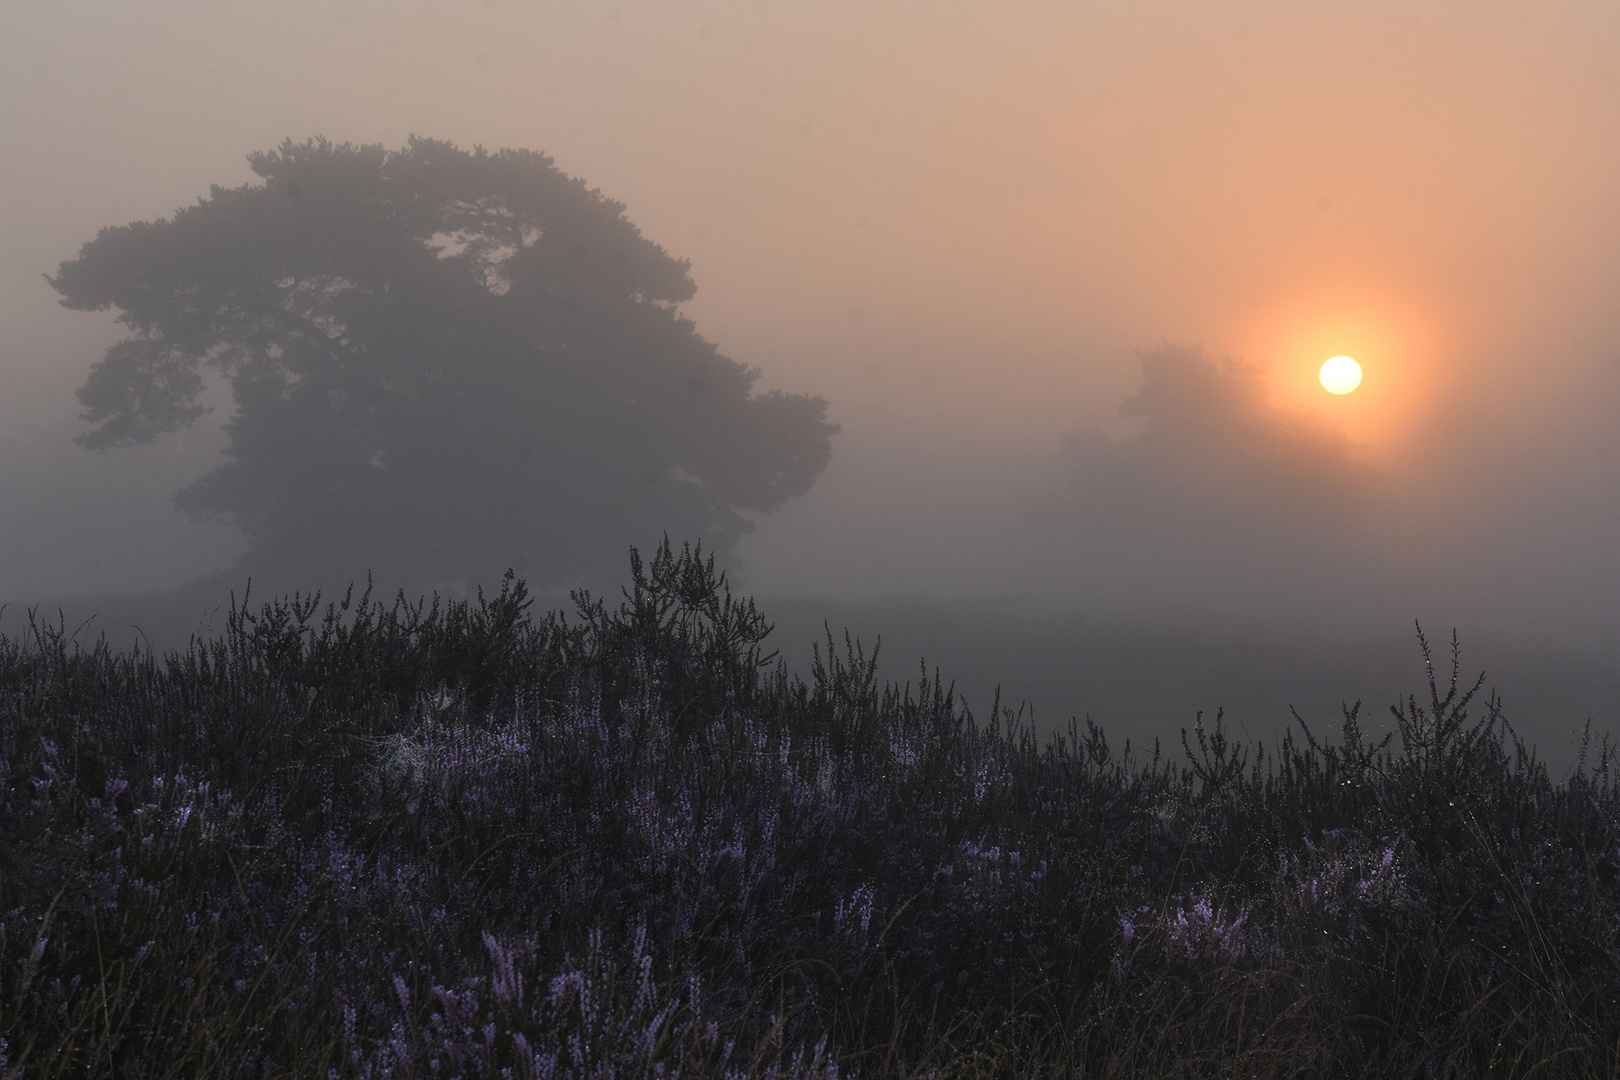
470	840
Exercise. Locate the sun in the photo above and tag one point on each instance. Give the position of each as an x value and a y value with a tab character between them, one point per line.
1395	344
1340	375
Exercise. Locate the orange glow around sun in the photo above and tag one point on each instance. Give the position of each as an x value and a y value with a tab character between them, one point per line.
1396	345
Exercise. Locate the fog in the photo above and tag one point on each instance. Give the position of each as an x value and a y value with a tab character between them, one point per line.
1063	274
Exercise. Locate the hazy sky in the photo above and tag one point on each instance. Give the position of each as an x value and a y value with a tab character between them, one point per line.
960	223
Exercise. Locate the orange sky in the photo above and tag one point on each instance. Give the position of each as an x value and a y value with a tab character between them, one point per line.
957	221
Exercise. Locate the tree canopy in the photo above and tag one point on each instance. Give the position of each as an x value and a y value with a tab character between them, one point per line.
442	363
1212	448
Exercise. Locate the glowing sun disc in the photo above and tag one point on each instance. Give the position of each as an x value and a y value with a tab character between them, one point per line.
1340	375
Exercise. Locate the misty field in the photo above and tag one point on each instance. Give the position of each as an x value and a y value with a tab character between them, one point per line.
463	840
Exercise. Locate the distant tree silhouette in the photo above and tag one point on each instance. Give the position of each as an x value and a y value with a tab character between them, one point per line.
442	363
1211	446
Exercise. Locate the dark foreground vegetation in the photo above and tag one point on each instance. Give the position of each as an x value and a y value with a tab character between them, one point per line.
463	841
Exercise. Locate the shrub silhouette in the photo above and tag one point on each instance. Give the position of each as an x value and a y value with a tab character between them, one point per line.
457	839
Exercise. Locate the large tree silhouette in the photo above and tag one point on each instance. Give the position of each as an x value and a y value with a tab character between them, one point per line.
442	363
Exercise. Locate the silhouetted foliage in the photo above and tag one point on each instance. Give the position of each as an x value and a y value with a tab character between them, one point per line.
443	363
460	841
1211	441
